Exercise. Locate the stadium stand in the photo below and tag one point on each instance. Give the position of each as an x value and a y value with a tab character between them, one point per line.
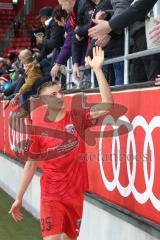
7	17
22	39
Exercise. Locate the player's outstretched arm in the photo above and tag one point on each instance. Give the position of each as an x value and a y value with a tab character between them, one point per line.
107	100
27	175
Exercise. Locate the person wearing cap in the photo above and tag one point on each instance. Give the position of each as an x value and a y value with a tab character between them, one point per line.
45	13
54	37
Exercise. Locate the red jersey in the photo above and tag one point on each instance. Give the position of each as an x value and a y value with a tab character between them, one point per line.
61	146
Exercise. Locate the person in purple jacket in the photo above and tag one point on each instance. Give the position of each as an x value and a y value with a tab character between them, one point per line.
60	16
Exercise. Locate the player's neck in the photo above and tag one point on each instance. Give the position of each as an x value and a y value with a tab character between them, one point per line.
56	115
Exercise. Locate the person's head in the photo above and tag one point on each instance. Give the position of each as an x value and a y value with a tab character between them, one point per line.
50	94
12	57
67	5
25	56
44	14
59	15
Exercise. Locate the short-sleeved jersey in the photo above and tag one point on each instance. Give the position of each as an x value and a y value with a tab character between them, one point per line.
61	146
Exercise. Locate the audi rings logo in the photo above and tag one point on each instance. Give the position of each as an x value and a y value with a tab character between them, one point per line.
18	133
138	121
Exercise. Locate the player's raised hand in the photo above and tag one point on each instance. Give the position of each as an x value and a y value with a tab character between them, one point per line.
15	211
97	61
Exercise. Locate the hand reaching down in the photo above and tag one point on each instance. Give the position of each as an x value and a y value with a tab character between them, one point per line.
102	28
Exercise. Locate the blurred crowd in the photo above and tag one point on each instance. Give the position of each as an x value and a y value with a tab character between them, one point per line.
70	31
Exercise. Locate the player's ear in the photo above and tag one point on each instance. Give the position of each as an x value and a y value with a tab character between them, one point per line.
42	98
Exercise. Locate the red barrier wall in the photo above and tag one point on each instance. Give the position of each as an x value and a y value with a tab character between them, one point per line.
122	150
124	169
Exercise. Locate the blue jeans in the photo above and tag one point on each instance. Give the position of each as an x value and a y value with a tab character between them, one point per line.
118	75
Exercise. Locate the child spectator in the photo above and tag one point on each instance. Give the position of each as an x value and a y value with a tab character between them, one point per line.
32	75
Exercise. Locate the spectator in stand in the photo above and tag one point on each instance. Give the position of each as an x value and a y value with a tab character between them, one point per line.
32	75
80	15
60	16
5	83
137	11
113	44
4	66
34	31
53	38
81	23
12	57
81	12
133	13
12	90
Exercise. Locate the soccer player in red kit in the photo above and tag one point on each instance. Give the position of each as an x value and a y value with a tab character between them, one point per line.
64	179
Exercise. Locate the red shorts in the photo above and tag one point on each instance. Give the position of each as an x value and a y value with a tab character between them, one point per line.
58	217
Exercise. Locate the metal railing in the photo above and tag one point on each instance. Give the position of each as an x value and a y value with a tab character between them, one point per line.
26	9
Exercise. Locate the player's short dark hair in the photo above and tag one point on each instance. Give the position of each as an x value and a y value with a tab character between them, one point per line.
45	85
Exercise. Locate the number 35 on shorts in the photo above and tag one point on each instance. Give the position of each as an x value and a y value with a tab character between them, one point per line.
46	224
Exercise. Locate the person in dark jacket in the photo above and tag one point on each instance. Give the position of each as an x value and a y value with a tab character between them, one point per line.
135	12
81	14
81	41
114	43
53	38
142	69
